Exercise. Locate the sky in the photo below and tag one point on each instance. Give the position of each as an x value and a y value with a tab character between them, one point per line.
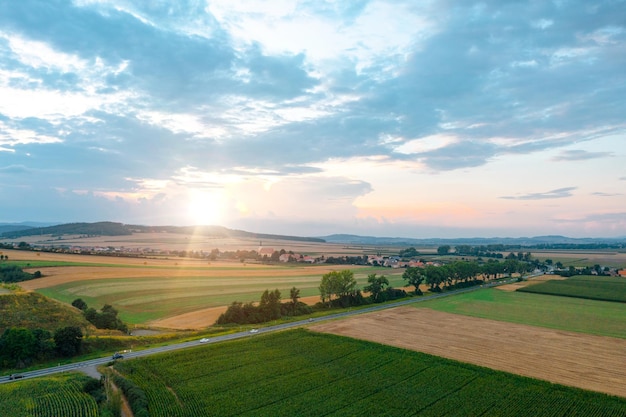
430	118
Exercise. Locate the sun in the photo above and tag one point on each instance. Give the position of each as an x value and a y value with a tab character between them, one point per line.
205	208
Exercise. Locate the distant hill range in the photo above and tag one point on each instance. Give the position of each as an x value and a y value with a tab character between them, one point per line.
13	227
14	231
550	241
17	230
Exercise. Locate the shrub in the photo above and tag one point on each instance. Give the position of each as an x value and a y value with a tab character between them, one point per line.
13	273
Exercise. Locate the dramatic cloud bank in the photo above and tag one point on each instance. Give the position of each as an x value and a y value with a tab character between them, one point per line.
418	119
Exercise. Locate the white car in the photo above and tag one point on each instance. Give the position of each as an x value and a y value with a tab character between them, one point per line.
204	340
254	331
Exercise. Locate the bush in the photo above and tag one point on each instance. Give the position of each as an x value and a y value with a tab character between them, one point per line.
13	273
106	319
393	294
80	304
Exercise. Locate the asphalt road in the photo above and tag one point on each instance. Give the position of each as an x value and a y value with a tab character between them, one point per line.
79	366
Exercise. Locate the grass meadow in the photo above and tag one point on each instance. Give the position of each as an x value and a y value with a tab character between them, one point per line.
601	318
311	374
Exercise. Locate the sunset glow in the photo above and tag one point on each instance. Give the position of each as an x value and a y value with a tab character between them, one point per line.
394	118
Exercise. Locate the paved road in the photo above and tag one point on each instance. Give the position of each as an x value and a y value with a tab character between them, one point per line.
92	363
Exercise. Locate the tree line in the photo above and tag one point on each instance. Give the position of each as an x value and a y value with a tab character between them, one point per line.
19	347
339	289
267	309
460	274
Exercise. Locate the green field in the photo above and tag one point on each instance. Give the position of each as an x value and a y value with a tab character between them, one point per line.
585	286
140	300
48	397
563	313
301	373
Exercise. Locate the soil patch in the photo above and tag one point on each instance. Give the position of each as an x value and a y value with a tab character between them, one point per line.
579	360
194	320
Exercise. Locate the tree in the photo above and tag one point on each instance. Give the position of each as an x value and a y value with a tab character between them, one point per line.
466	271
337	283
45	343
68	340
80	304
511	266
17	345
269	306
106	319
443	250
376	287
408	253
294	294
434	277
414	276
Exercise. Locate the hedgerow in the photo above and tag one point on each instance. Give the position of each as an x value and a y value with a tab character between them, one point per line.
136	396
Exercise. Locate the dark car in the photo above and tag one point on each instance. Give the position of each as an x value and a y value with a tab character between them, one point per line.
117	356
16	376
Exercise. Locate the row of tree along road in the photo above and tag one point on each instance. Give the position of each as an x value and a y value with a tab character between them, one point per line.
338	289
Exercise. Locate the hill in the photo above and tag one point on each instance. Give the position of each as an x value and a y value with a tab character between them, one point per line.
120	229
35	311
13	227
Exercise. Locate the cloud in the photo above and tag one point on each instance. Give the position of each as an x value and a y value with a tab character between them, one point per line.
580	155
463	154
117	98
558	193
15	169
601	194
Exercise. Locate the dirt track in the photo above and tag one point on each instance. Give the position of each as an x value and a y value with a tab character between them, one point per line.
590	362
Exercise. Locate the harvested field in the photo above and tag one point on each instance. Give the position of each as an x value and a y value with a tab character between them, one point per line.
584	257
201	319
585	361
63	275
534	280
198	319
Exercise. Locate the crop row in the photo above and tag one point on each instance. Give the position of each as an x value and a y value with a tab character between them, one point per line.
308	374
47	397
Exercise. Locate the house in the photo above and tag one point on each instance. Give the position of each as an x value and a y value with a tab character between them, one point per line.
266	251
